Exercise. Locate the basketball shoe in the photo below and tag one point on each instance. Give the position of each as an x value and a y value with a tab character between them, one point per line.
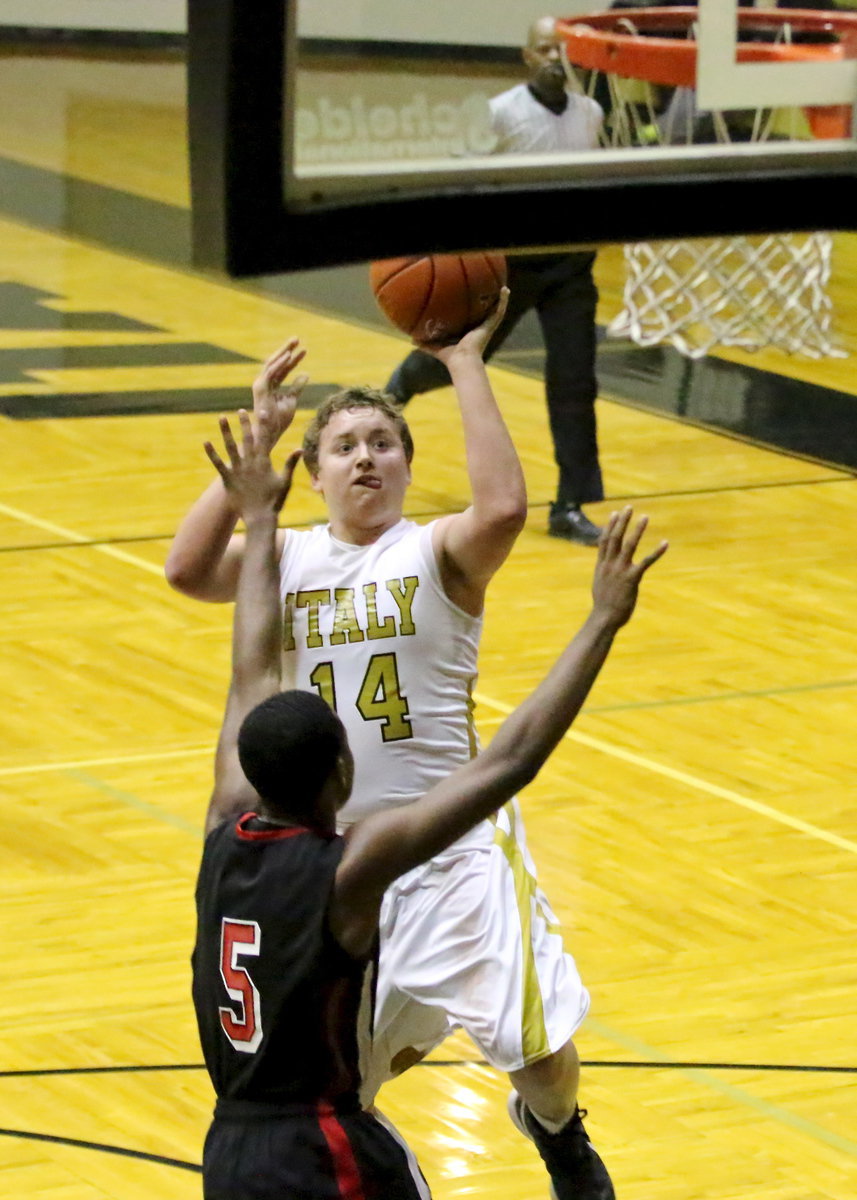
576	1171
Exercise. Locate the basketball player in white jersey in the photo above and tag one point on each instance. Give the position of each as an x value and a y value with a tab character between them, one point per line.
382	618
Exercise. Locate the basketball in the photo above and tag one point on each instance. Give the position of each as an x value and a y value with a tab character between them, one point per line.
438	297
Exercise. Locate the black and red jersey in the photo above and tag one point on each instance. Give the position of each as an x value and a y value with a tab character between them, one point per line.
282	1009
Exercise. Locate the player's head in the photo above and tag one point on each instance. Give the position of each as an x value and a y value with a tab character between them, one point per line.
294	751
358	451
542	55
354	398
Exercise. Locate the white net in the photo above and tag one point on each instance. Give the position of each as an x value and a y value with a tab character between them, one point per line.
749	292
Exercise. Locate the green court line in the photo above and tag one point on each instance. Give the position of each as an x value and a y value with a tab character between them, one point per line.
132	801
774	1112
762	693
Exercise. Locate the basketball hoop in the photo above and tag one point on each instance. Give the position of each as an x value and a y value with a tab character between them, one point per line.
750	291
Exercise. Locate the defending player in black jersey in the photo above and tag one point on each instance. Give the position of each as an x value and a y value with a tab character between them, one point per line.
288	910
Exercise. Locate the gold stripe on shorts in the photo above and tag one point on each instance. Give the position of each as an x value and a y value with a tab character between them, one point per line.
534	1036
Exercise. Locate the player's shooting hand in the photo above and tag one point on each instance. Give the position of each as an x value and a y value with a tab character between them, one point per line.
270	394
476	340
617	576
251	482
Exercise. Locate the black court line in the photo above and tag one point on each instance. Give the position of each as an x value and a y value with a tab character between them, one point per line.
824	1069
805	1068
844	476
144	1068
133	1069
196	1168
103	1147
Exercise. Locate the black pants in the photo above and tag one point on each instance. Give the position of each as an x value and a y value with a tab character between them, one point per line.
561	289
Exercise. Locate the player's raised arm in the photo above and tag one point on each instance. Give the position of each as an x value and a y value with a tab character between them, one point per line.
387	844
472	545
257	493
205	555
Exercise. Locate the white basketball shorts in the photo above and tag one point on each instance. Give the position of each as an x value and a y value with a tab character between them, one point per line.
468	941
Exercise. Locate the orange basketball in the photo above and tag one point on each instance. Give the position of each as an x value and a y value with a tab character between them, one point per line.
438	297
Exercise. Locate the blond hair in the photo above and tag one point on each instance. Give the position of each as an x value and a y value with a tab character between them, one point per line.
354	397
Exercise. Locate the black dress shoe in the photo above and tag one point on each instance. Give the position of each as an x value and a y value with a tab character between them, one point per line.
396	390
567	521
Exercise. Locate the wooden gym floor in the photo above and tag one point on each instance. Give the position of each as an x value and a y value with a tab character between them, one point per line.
696	832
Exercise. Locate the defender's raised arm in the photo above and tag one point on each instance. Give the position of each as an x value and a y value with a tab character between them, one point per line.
257	493
386	845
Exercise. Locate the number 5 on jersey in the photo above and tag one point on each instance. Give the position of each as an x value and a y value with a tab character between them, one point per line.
242	1024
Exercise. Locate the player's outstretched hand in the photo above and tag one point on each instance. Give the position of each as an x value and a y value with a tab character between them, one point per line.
476	340
617	577
269	393
251	482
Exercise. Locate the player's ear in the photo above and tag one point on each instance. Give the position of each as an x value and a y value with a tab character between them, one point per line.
315	482
345	774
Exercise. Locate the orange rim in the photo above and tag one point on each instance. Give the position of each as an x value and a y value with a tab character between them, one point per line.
600	42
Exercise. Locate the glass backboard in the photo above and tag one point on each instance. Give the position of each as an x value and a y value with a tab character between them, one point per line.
329	131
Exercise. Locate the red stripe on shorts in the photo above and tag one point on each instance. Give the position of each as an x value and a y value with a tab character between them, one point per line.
348	1181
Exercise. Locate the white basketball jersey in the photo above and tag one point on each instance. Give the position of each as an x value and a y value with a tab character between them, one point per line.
371	629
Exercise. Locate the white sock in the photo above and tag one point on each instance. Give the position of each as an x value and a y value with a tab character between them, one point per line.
546	1123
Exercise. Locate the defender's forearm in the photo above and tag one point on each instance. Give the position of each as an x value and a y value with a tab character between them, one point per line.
256	638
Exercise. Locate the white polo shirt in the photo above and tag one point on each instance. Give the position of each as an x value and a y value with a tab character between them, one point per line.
524	125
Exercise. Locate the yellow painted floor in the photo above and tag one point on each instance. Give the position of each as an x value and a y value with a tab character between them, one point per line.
696	833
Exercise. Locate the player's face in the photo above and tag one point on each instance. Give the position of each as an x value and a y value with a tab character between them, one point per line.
542	56
362	469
